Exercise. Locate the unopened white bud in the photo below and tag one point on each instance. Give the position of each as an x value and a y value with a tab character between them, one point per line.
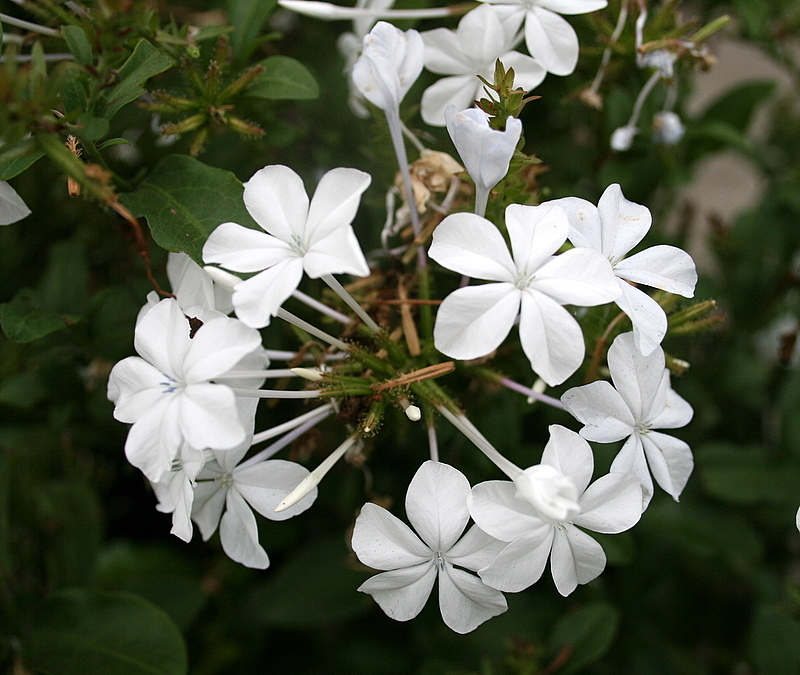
307	374
539	387
413	413
622	138
223	278
667	127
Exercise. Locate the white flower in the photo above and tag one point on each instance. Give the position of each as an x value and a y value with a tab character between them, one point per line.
667	127
622	138
221	485
316	238
538	512
662	60
484	35
436	505
614	227
797	519
389	64
12	208
166	392
533	284
640	401
486	152
175	490
549	38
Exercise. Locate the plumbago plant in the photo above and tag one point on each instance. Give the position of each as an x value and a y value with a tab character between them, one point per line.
455	334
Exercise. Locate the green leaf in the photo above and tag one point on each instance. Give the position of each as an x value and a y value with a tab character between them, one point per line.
735	107
64	286
284	78
142	64
23	321
248	17
73	92
184	200
775	642
313	588
748	475
85	632
14	167
5	503
587	633
90	128
77	43
22	390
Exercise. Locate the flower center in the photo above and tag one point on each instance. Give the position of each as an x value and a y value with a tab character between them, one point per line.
298	245
169	384
225	480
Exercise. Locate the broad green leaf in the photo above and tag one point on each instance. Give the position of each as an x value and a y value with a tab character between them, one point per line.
775	642
73	91
184	200
14	167
23	321
755	15
86	632
64	286
312	588
735	107
90	128
142	64
283	78
587	634
77	43
748	475
248	18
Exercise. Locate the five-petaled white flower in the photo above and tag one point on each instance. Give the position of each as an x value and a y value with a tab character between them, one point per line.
614	227
640	401
316	238
549	38
166	392
533	284
538	512
484	35
237	490
436	505
389	64
486	152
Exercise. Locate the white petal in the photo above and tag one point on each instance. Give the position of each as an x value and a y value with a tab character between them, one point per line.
647	317
190	284
637	378
276	198
267	484
576	559
630	459
209	500
436	504
624	222
162	337
580	276
238	533
258	299
12	208
242	249
612	504
601	409
521	563
217	347
402	593
209	417
482	37
572	6
475	549
383	542
334	203
584	222
338	253
551	338
465	601
443	54
677	412
536	233
155	438
666	267
135	386
551	41
471	245
528	72
495	508
474	320
570	454
670	460
458	91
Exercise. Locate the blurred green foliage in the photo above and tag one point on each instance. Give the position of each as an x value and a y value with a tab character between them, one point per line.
88	572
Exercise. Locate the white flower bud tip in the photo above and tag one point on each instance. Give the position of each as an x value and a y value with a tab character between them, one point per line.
413	413
622	138
221	277
307	374
539	387
304	487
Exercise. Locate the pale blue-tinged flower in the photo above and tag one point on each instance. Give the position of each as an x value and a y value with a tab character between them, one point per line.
549	38
486	152
12	208
436	505
226	496
530	282
538	512
316	238
167	392
614	227
640	401
483	36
